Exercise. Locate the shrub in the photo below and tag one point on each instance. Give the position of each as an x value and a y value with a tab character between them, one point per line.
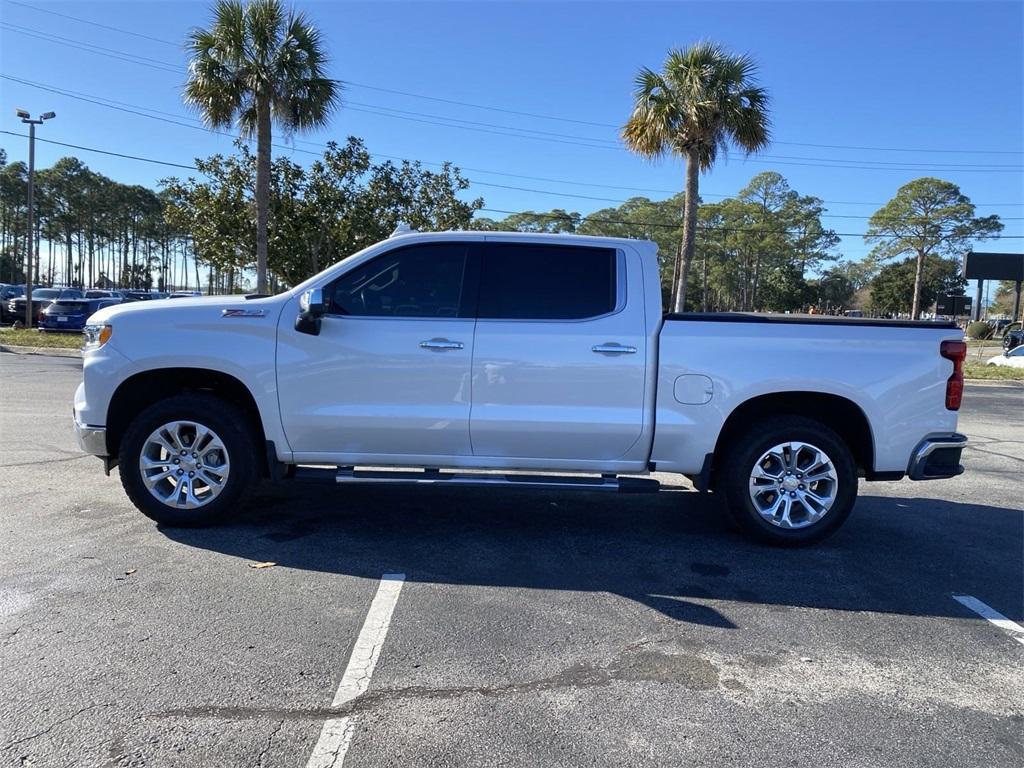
979	329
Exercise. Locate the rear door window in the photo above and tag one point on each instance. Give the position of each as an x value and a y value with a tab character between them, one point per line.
529	281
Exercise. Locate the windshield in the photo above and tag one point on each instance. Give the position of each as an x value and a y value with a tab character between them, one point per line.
45	293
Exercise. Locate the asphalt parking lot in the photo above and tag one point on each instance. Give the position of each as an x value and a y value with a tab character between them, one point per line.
530	629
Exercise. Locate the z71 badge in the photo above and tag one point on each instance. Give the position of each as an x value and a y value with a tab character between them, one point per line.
242	312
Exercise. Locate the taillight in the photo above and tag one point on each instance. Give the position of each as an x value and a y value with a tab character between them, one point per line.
957	352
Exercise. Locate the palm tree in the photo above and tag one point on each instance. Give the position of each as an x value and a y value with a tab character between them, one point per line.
703	100
259	64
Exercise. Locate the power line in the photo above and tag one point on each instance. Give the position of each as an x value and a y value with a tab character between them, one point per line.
480	106
664	225
199	127
545	139
96	49
856	165
93	23
614	144
592	143
348	104
106	152
617	126
492	108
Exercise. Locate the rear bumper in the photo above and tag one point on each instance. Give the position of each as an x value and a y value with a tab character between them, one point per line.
937	457
72	326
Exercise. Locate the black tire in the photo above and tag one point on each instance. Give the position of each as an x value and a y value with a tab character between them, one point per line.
733	476
233	429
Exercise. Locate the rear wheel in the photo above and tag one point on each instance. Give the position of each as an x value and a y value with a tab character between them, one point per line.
188	460
788	481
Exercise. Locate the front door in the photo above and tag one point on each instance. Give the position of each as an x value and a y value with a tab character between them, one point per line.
560	353
389	373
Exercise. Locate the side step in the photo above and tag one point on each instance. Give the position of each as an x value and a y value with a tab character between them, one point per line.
350	475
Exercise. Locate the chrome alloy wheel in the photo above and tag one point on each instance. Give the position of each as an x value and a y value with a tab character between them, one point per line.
184	464
793	485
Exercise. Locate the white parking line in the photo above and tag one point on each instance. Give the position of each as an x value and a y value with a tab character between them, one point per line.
336	734
1016	630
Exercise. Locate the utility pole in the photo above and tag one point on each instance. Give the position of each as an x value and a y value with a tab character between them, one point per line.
30	243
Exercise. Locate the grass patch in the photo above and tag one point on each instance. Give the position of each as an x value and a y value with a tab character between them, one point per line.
25	337
975	370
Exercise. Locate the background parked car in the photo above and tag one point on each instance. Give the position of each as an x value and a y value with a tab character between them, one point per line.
139	295
1014	358
184	294
1013	337
8	292
99	293
71	314
41	299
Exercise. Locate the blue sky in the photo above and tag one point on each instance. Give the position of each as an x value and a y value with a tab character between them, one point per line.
876	77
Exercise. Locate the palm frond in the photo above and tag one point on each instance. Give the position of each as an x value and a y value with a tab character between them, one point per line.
704	99
254	51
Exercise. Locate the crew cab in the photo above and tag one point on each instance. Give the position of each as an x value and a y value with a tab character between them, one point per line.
439	356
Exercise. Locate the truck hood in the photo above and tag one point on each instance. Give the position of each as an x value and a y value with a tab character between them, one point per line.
186	309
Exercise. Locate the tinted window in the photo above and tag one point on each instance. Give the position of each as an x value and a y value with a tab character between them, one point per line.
418	281
523	281
68	306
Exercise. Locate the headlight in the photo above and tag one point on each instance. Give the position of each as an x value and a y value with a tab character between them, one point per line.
96	336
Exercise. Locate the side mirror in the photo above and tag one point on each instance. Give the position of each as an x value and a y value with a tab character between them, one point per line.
312	307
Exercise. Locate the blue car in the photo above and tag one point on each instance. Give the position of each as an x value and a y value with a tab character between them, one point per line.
71	314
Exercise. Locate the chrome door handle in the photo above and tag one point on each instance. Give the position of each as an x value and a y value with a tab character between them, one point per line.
441	344
613	349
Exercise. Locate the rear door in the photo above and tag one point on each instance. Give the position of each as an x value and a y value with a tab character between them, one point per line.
559	354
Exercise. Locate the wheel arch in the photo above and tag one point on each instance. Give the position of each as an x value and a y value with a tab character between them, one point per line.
143	389
839	413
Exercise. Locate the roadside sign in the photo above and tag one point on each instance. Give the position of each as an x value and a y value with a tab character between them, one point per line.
953	306
994	266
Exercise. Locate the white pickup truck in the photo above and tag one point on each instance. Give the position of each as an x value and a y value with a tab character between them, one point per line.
534	354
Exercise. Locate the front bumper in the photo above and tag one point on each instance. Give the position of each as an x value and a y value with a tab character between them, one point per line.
91	439
937	457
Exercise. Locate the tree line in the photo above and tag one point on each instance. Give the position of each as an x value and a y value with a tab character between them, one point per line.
199	232
767	249
88	229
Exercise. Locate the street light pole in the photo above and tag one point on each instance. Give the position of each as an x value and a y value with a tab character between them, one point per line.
30	244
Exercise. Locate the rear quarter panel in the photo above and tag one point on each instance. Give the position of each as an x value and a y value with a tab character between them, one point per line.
895	375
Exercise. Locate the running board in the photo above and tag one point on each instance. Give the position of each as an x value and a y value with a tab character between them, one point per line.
349	475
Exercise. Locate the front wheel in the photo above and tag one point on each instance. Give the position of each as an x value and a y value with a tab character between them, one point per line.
788	481
188	460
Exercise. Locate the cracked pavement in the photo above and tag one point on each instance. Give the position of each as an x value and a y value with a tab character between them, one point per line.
534	628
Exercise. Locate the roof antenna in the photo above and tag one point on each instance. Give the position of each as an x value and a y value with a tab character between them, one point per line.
402	228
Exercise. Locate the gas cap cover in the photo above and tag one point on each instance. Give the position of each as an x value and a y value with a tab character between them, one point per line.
693	389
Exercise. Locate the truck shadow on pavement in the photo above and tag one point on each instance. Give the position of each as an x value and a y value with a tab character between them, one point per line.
671	551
